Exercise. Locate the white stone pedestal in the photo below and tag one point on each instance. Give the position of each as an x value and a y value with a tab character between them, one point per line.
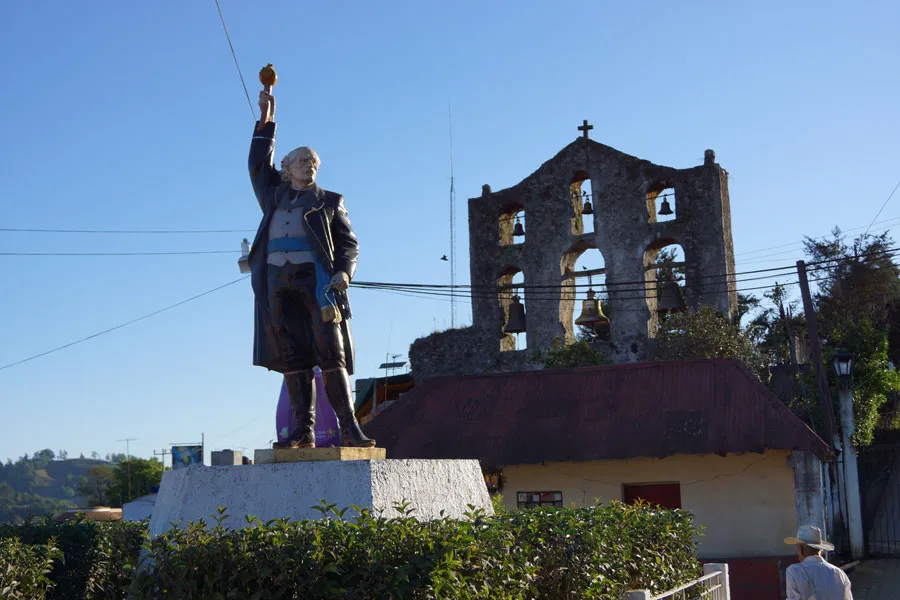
272	491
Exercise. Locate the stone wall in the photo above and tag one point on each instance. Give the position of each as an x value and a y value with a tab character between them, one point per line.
626	233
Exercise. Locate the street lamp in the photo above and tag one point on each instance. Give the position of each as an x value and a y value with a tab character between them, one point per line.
843	367
843	364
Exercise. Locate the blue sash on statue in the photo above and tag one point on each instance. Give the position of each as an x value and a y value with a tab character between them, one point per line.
324	294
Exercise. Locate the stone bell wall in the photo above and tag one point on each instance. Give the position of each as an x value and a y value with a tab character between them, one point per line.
626	233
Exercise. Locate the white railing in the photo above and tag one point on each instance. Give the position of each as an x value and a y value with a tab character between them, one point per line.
712	586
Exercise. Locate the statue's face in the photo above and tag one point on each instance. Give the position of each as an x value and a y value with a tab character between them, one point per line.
304	168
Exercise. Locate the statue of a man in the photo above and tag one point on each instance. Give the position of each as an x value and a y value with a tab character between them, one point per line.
301	263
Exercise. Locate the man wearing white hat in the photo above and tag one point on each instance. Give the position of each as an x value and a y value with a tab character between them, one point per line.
813	578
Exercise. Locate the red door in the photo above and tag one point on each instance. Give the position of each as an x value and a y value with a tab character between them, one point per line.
664	495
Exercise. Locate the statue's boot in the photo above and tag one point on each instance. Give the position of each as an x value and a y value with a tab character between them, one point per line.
337	386
302	392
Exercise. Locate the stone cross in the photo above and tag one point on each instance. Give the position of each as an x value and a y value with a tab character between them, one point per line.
585	128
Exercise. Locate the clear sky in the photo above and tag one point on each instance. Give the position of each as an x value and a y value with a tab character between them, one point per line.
128	115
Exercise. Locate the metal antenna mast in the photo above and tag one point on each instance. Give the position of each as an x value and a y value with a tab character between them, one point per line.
452	228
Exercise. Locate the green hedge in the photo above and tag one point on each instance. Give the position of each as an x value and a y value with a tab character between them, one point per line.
25	569
95	561
548	553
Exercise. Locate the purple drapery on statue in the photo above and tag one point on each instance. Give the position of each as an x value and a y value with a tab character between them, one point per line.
326	422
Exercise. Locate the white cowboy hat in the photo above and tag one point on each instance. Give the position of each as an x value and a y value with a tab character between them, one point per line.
811	536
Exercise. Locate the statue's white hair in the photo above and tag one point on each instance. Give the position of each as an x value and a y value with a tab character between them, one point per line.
291	156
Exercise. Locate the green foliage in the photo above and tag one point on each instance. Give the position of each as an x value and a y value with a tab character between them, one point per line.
144	473
41	484
94	560
25	569
859	292
666	269
563	356
95	485
770	327
498	505
548	553
707	334
109	485
856	280
873	380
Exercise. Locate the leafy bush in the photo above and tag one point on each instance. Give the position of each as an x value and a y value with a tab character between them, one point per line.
548	553
95	560
565	356
706	333
24	569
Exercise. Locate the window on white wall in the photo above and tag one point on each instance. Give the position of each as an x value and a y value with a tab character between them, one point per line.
536	499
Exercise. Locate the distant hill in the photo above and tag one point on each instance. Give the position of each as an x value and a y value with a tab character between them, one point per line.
41	485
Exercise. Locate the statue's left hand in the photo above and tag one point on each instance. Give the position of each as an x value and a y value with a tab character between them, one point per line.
339	282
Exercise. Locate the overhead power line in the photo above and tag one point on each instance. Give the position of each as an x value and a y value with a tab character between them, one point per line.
176	253
121	325
234	55
125	231
448	293
891	195
892	220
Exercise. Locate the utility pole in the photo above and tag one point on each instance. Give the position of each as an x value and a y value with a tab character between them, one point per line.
815	346
128	461
162	453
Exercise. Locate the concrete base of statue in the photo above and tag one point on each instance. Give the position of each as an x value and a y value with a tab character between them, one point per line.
293	489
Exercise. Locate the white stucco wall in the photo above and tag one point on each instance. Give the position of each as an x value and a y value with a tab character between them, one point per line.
745	501
272	491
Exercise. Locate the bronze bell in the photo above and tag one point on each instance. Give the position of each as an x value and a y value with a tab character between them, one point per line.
670	297
588	208
591	313
516	321
665	208
518	229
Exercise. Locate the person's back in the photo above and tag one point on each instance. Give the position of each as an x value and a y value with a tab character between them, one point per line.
814	577
817	578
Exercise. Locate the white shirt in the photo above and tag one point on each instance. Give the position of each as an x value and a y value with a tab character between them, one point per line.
815	577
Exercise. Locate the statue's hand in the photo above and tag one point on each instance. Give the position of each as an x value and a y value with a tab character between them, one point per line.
339	282
266	107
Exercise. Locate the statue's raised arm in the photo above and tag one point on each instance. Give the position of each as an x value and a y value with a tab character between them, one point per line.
263	175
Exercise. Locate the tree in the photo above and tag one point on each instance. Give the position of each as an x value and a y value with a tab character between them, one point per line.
97	484
42	458
115	457
858	279
666	269
706	333
776	327
859	291
143	473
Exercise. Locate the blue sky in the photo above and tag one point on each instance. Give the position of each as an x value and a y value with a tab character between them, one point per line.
131	116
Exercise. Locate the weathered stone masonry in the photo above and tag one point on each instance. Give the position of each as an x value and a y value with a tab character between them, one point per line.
626	233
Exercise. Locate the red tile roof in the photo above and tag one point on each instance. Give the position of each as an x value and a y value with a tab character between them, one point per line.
652	409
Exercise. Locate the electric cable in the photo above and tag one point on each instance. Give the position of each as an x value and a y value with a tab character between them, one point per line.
440	292
121	325
124	231
241	75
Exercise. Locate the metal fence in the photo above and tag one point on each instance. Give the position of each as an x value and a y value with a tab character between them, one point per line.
879	482
712	586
